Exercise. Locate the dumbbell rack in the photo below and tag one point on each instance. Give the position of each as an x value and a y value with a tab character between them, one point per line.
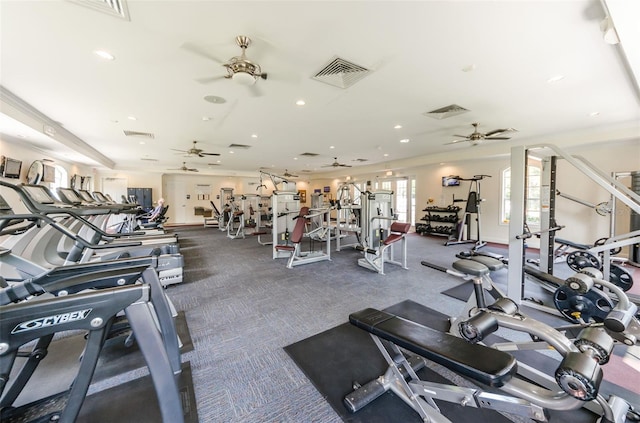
440	221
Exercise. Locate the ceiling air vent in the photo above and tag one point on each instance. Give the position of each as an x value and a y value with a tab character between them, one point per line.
446	112
360	160
309	154
139	134
149	160
117	8
244	146
341	73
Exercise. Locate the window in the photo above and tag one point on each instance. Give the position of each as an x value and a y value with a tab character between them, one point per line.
534	182
62	180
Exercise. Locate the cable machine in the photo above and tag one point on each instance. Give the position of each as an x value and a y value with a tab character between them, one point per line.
473	208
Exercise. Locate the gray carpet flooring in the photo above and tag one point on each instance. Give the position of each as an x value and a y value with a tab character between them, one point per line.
243	307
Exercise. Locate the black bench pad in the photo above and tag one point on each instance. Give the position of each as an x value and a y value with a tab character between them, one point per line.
572	244
486	365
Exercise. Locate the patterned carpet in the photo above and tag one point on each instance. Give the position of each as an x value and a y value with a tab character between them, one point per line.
243	308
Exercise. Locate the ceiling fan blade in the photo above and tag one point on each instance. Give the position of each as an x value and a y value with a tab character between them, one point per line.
193	170
497	138
182	151
192	48
455	142
209	154
210	79
462	136
344	165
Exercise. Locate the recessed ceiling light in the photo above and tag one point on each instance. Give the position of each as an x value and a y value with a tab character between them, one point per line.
295	158
206	118
218	161
555	78
104	54
214	99
300	103
397	127
470	68
142	143
386	154
131	118
332	146
231	152
254	135
594	114
404	140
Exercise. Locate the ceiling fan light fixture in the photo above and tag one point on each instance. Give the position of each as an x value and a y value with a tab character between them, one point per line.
243	78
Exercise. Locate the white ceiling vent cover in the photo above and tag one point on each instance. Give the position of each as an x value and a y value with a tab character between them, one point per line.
139	134
117	8
341	73
446	112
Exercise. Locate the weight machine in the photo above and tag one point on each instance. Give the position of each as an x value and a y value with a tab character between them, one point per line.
306	228
285	206
235	219
226	194
379	231
348	213
548	226
472	208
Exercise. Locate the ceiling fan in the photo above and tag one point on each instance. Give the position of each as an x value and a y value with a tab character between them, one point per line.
336	163
184	168
239	68
476	137
195	151
286	174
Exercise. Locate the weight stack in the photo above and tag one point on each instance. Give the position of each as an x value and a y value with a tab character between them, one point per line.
635	217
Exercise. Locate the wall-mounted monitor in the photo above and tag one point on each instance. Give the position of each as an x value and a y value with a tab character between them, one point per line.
450	181
49	174
10	168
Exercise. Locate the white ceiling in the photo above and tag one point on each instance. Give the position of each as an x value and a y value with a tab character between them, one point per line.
419	52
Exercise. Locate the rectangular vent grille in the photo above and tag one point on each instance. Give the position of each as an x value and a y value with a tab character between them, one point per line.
244	146
116	8
139	134
309	154
446	112
149	160
360	160
341	73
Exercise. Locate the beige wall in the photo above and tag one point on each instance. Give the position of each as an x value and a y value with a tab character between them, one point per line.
582	224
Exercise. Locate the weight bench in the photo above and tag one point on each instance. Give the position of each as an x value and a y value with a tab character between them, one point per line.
375	259
575	384
295	238
564	245
482	364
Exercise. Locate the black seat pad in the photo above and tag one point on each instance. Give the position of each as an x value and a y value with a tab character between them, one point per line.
474	268
486	365
492	263
572	244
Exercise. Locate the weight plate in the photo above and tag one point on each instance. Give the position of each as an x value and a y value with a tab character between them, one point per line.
612	251
620	277
592	306
580	259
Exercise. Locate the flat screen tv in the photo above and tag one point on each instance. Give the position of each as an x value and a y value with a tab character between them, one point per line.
450	181
49	174
10	167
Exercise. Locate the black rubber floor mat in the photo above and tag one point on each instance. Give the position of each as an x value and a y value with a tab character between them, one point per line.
333	360
136	402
